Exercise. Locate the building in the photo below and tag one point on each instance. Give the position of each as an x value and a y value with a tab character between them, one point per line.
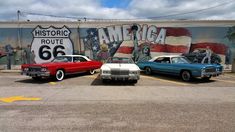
40	41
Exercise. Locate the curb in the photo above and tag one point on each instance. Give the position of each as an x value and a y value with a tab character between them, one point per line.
10	71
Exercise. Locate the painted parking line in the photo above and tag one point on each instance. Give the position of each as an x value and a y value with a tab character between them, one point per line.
227	81
18	98
163	80
92	76
52	83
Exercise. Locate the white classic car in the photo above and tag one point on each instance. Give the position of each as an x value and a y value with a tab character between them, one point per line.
118	68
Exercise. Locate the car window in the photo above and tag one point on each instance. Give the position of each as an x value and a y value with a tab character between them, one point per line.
163	60
62	59
119	60
179	60
159	59
79	59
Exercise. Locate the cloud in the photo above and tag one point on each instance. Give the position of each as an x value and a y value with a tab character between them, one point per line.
135	9
166	9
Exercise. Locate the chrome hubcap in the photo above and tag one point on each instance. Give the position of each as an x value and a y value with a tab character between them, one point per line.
59	75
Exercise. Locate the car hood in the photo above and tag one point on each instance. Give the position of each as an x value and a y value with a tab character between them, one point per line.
199	65
120	66
48	64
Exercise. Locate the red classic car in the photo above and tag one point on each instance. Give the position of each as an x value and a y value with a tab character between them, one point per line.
61	66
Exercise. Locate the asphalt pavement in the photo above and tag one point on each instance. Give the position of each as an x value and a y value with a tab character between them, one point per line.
83	103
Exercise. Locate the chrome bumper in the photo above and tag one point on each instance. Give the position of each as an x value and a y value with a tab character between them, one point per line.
209	74
35	74
120	77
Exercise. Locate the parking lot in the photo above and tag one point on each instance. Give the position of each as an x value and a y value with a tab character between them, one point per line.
83	103
224	80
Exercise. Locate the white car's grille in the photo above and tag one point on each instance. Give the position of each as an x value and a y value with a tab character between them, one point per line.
211	69
34	69
119	72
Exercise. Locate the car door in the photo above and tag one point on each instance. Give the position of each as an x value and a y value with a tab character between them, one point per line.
67	64
162	64
81	64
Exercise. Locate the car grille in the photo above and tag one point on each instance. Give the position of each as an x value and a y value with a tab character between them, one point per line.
34	69
212	69
119	72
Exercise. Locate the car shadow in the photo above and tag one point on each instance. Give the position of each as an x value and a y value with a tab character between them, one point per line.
50	79
178	79
32	81
98	82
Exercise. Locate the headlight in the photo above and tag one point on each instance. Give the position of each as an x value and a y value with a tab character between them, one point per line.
133	72
43	69
203	70
26	69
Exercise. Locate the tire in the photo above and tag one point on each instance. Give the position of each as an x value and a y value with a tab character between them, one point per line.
135	81
92	72
59	76
186	76
148	70
36	78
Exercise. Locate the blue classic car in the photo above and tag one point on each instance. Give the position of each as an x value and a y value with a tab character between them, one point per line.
180	66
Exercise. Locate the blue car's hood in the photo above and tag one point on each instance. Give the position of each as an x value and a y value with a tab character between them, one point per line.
198	65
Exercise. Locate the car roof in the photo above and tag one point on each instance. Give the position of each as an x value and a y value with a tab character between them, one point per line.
170	56
74	55
78	56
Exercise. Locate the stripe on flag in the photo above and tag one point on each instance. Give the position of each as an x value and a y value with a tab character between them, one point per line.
177	41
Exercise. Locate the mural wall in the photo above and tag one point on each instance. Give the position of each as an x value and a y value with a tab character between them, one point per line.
141	42
36	45
193	42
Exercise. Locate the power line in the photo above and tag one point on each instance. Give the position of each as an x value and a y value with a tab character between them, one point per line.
57	16
195	11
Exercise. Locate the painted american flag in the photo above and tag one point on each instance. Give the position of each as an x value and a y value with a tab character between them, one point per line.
177	41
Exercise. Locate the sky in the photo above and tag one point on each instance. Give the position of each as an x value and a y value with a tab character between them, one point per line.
73	10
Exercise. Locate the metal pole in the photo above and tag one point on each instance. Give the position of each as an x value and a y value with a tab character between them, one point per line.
18	35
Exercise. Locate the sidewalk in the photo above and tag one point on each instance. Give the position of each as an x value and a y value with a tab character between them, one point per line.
14	69
10	71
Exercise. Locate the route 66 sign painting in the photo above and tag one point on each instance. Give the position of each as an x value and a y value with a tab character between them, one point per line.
51	42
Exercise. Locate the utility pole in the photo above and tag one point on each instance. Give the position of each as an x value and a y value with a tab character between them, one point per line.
18	34
18	15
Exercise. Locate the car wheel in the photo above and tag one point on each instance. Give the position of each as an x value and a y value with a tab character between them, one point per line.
36	78
59	75
92	72
135	81
148	70
186	76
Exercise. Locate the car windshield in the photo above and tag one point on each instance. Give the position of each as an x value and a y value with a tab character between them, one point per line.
179	60
119	60
62	59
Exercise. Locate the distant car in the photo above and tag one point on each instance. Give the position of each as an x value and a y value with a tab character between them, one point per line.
61	66
198	54
118	68
180	66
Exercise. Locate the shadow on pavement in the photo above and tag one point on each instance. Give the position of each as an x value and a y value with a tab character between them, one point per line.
178	79
98	82
50	79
